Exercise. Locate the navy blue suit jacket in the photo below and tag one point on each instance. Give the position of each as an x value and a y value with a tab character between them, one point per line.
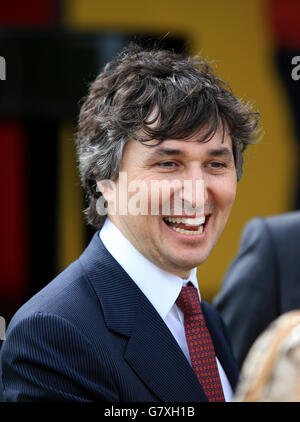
92	335
263	281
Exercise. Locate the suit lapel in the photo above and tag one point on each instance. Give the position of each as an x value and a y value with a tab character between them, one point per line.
155	355
221	344
152	352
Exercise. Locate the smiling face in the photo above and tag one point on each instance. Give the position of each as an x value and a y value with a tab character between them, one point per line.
169	240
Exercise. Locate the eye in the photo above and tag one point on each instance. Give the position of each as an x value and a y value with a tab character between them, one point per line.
167	164
216	165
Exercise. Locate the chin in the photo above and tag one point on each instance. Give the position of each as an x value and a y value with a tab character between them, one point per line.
189	263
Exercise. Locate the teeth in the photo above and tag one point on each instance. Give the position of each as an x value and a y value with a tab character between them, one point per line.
188	221
182	231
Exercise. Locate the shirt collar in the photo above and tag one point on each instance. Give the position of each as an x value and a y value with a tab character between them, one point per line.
160	287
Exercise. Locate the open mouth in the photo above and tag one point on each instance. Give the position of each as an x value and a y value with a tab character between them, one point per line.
190	226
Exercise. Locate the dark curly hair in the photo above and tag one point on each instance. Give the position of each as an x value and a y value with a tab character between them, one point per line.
144	86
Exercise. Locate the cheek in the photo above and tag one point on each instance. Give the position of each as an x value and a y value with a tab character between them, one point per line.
232	191
227	194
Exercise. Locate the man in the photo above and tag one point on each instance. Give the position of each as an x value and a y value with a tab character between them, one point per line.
262	283
124	322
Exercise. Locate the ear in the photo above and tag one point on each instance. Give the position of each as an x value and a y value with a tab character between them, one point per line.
100	186
108	189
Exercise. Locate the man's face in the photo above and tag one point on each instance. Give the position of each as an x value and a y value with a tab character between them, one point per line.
178	245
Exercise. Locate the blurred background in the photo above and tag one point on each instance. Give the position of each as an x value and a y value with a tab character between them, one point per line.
53	49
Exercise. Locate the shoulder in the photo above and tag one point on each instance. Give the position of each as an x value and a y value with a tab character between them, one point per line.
285	225
281	224
279	233
55	339
63	299
58	291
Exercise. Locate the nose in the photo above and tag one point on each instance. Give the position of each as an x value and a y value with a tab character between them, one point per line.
194	191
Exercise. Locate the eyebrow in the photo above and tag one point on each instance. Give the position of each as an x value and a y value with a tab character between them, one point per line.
223	152
165	151
216	152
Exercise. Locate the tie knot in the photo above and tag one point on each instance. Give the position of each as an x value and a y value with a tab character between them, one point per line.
188	300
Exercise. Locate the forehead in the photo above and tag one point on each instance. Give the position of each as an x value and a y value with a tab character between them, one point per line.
219	144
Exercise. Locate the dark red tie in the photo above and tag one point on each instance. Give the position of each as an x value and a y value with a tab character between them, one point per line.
200	344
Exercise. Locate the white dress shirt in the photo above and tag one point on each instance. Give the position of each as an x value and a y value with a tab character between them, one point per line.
160	287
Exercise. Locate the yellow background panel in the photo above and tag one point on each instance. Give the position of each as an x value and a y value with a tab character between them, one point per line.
235	36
